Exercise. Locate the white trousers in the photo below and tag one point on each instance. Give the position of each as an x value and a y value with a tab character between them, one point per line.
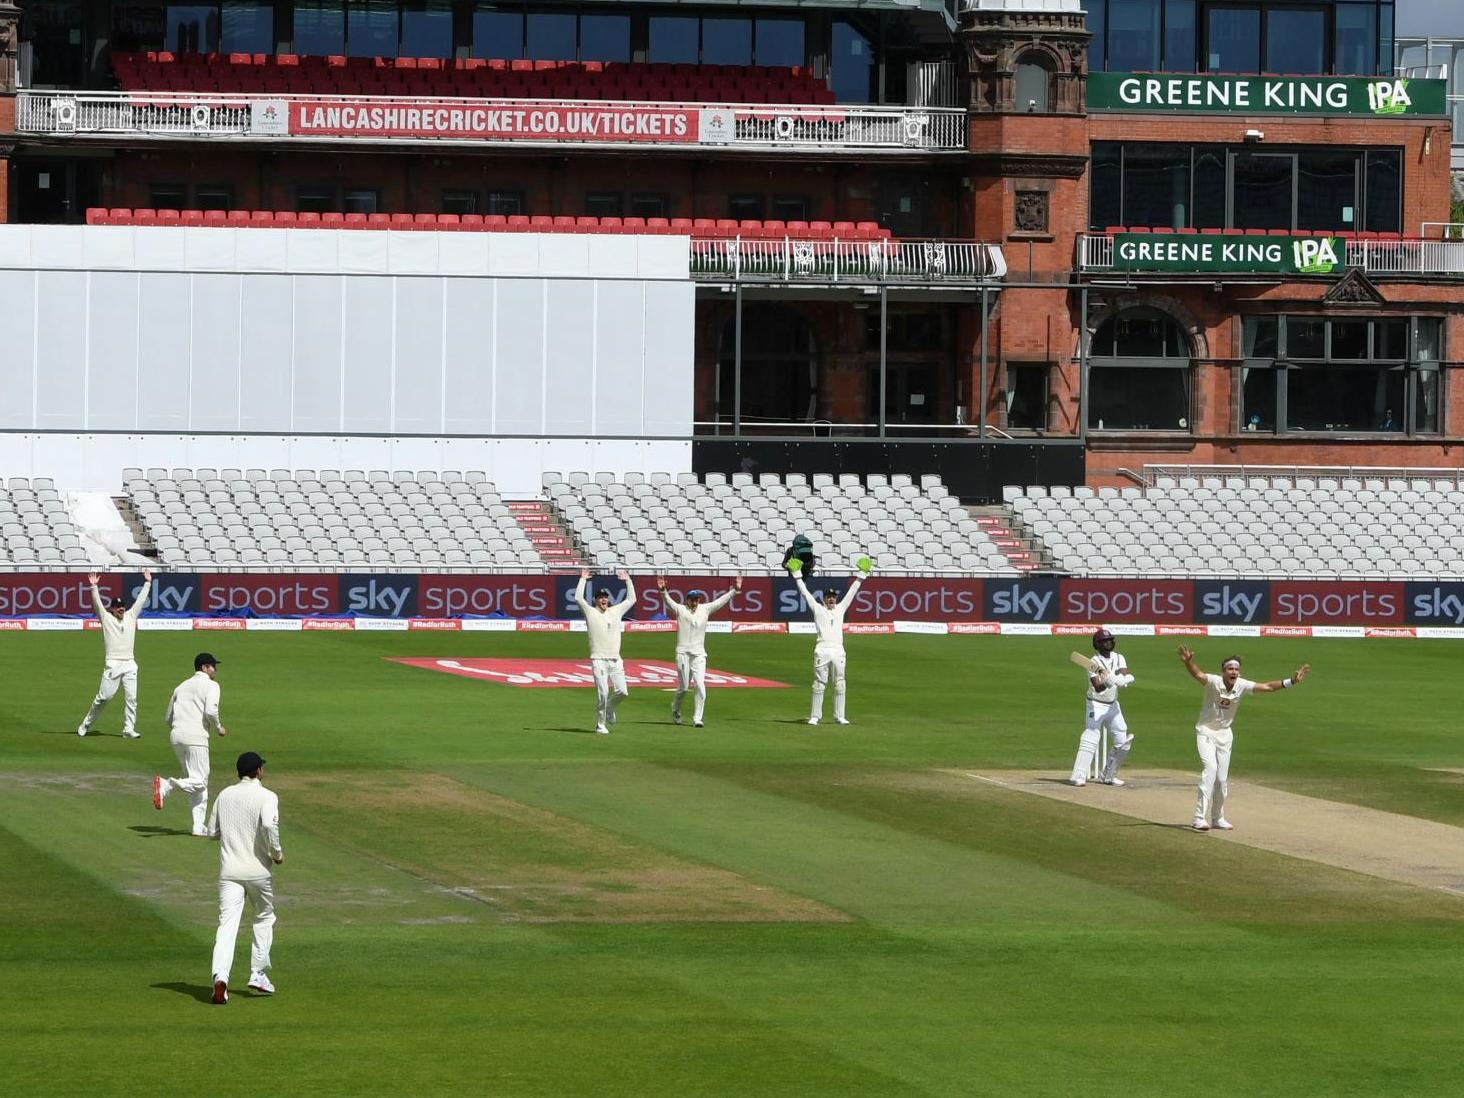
1215	773
691	675
610	688
194	761
827	665
116	673
231	907
1099	716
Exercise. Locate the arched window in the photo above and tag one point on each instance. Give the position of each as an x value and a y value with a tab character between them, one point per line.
1140	373
1034	83
779	368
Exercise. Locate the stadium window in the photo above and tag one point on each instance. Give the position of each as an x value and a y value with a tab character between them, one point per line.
1264	189
551	36
1296	40
1209	189
1232	39
1156	185
459	202
360	200
852	65
1105	186
1141	373
604	204
1327	189
779	42
506	203
1384	191
1133	35
1361	375
213	197
498	34
1258	377
320	27
315	199
371	28
427	28
673	39
604	38
745	207
168	196
1096	21
1026	395
726	42
1180	39
248	27
1034	74
1427	344
193	28
135	27
780	372
789	207
1356	47
649	205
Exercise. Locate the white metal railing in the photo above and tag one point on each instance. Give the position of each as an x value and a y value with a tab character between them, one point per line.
1439	58
1374	477
740	259
204	115
1383	257
1442	230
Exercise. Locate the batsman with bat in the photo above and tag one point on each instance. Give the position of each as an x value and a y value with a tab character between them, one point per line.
1107	674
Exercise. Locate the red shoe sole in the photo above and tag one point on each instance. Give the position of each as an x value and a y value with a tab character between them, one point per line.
158	793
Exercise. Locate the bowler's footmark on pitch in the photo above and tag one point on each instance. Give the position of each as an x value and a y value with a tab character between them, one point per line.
651	673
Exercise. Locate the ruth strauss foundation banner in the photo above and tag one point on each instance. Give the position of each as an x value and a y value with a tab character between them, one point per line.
1036	600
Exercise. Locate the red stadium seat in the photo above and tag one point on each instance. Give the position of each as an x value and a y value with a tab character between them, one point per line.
169	217
355	221
192	217
237	219
216	219
449	222
119	215
378	221
518	223
144	217
425	222
474	222
96	215
332	220
309	219
261	219
285	219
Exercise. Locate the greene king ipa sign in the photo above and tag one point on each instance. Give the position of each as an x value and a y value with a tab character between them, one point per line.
1215	94
1228	252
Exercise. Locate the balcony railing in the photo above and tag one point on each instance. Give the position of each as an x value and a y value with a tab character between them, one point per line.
923	262
1375	257
175	115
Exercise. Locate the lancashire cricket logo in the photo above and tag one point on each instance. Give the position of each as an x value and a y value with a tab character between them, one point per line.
1314	255
1388	97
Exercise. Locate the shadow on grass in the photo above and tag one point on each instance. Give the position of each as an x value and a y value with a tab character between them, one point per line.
148	831
577	731
203	993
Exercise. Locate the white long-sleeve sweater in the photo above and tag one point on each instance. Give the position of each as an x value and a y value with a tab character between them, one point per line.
691	625
830	623
604	626
118	636
193	710
246	822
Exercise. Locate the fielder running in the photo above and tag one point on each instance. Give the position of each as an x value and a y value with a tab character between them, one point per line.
192	711
1110	674
1213	735
828	650
119	632
691	644
604	622
246	822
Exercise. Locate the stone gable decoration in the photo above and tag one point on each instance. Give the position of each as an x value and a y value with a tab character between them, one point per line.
1354	288
1030	212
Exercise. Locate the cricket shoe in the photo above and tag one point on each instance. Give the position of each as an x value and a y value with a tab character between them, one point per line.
675	717
132	735
260	982
698	724
81	730
1200	824
1114	781
841	720
1077	783
159	792
1222	824
221	993
813	720
601	730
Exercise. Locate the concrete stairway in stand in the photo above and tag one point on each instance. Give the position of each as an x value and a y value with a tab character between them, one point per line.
1012	538
539	520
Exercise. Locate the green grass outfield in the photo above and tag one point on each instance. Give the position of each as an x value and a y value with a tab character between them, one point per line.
480	897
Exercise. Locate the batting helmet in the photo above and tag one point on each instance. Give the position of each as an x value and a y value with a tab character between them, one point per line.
1102	636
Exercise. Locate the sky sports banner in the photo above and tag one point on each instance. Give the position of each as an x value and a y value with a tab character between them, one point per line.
1036	600
1228	252
1207	93
527	121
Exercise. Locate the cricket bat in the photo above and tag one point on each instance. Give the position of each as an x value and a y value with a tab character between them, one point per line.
1082	661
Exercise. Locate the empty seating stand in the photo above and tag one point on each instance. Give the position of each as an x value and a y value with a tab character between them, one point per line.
469	78
680	523
1324	527
36	530
701	227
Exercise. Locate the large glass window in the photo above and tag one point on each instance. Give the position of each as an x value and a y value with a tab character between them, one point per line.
604	38
673	39
371	28
1026	395
780	42
1097	24
1232	39
320	28
1326	191
1156	185
193	28
1263	188
551	36
1033	77
853	65
1357	39
726	42
1140	373
498	34
780	374
1105	203
1179	36
1133	35
1296	40
427	28
1208	207
248	27
1384	191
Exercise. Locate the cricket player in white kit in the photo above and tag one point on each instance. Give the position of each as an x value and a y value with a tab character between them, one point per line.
828	650
1109	675
119	632
246	822
604	623
691	644
1213	734
192	711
